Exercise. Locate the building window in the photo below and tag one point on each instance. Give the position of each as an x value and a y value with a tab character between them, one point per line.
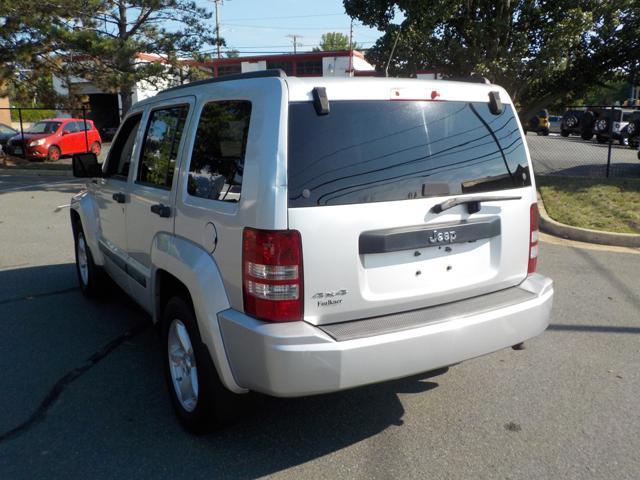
287	66
231	69
312	68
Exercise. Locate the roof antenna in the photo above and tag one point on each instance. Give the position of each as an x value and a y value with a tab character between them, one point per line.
393	49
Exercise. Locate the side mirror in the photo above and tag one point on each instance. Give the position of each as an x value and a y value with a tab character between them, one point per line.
85	165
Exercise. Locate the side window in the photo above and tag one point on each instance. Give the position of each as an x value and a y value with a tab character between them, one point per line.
160	147
217	160
122	148
71	127
81	126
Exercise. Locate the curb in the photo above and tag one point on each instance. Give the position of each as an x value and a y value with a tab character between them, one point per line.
36	173
549	225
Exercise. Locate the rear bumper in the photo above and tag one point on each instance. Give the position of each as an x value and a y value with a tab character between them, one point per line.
296	359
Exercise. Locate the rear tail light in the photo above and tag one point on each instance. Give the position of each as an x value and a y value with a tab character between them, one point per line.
534	223
272	274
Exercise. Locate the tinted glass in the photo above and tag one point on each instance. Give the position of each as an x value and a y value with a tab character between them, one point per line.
43	127
121	149
160	147
6	130
218	154
72	127
376	151
80	125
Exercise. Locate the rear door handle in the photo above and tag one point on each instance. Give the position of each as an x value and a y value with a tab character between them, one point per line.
161	210
119	197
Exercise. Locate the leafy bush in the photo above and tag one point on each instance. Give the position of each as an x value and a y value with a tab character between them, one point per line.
30	116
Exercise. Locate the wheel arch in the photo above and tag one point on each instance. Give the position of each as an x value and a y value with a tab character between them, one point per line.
181	267
84	213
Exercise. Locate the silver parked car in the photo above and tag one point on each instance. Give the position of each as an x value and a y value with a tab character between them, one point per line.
296	236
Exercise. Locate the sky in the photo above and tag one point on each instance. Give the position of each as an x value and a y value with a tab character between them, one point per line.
262	26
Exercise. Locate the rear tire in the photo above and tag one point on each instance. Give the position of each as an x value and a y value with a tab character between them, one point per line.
586	135
545	132
200	400
95	148
90	276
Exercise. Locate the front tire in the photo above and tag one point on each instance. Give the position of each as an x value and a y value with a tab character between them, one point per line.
89	274
199	399
54	153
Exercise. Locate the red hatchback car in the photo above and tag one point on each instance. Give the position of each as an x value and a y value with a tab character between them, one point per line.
52	139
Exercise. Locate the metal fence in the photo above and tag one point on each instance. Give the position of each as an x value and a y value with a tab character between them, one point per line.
18	126
586	141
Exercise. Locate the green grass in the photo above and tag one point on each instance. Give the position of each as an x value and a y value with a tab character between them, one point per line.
611	205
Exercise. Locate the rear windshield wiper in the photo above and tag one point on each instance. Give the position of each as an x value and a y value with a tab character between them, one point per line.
473	203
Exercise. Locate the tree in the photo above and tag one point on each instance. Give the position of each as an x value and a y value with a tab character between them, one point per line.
102	40
539	51
233	53
106	48
29	35
334	41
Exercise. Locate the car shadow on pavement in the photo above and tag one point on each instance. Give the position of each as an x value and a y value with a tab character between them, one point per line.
110	405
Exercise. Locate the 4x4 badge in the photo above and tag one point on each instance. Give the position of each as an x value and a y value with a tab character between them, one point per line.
336	293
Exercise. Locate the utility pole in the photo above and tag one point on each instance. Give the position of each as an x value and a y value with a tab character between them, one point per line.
217	2
351	49
295	38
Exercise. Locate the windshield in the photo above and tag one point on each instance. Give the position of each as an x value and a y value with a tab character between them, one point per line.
43	127
376	151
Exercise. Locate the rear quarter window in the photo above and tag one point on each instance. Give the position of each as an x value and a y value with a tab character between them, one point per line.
376	151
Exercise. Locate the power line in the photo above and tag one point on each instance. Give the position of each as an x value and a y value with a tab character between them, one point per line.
282	18
233	47
266	27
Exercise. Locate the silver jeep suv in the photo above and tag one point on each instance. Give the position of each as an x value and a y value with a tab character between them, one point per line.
296	236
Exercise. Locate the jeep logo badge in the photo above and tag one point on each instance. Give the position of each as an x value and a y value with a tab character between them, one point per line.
437	236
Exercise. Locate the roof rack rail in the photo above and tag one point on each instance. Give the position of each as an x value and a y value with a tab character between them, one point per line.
273	72
473	78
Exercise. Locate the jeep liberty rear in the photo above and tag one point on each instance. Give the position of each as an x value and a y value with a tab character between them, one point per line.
302	236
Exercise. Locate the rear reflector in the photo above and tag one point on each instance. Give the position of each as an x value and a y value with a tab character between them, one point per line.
272	274
534	222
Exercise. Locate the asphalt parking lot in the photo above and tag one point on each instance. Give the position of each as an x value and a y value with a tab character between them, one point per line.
83	394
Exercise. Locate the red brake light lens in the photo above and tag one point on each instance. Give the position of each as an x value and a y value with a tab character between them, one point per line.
272	274
534	225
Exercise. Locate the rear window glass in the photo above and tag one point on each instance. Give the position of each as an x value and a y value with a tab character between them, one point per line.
377	151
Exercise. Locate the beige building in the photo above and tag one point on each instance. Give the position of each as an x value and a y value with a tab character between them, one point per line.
5	115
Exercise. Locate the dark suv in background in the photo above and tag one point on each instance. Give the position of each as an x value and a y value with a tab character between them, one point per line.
578	122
